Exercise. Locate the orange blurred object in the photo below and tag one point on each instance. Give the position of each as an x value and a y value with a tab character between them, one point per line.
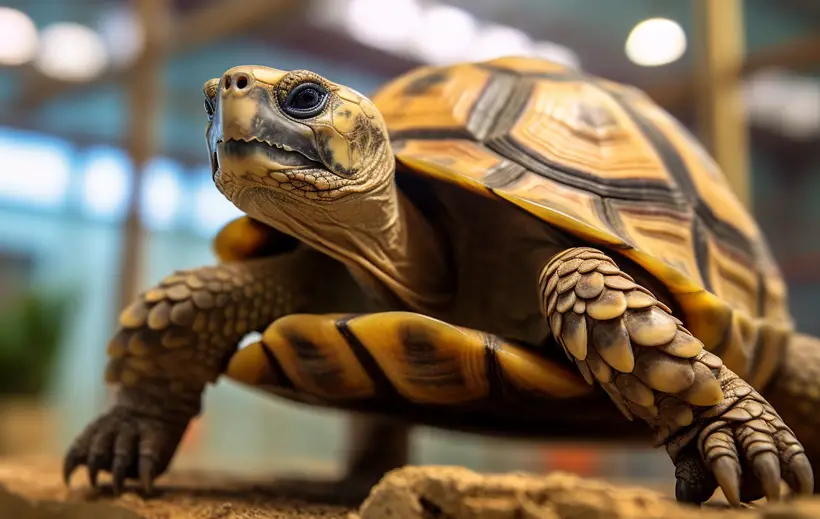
577	460
193	435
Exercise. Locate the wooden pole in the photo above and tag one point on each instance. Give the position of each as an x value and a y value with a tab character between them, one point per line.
721	111
145	99
799	54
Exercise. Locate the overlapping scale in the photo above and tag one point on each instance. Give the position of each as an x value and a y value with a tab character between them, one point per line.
620	335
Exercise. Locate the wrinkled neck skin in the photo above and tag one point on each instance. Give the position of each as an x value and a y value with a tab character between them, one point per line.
384	240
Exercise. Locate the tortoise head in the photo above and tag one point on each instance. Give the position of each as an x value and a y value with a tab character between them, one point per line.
313	159
288	146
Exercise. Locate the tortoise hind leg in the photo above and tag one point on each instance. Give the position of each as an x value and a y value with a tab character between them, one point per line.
309	358
376	445
397	364
393	361
795	392
713	423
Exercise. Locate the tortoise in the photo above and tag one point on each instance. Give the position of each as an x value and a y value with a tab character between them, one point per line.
507	247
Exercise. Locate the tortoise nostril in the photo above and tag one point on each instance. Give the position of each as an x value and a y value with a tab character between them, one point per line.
235	83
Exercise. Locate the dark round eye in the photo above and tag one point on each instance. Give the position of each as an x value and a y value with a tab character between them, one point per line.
305	100
209	109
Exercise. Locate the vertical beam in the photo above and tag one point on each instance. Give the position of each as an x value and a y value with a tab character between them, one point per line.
144	99
722	119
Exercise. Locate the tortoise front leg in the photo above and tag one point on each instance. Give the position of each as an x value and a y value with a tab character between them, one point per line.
175	339
717	429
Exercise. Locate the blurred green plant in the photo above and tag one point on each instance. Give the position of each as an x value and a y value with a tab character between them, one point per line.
31	330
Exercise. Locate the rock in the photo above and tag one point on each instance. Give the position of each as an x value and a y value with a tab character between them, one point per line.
458	493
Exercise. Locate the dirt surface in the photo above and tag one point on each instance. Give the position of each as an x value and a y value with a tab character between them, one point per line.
33	490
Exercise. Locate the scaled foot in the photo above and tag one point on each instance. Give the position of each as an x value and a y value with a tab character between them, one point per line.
717	429
745	445
127	445
174	340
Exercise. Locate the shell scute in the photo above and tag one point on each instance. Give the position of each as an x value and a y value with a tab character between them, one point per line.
607	165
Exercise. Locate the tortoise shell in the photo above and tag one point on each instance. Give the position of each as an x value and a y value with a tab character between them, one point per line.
606	164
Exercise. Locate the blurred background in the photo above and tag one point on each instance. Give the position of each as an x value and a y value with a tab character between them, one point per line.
105	186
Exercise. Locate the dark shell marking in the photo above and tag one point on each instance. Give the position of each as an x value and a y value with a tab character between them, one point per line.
625	173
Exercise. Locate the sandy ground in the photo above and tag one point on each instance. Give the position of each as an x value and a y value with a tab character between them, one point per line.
183	495
33	490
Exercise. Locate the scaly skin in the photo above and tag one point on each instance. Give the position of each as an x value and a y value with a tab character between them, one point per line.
713	423
795	392
174	340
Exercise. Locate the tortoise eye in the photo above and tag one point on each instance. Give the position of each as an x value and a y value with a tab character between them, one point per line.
305	100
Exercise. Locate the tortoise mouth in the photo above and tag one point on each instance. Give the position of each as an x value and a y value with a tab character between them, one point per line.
276	157
259	165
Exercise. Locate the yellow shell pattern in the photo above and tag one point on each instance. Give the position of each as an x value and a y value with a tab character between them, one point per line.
604	162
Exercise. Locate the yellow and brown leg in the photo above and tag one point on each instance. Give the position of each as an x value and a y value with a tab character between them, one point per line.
795	393
716	428
404	365
390	359
175	339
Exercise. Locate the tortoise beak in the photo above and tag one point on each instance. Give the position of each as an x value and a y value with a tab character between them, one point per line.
246	112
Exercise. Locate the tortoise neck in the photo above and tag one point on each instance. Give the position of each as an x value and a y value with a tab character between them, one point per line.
396	252
380	235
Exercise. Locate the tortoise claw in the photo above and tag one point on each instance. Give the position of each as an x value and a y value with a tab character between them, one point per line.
73	459
799	475
727	474
118	472
99	456
93	471
747	428
124	454
147	474
766	467
127	446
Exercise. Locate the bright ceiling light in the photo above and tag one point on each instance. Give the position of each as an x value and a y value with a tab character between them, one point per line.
122	33
655	42
445	34
18	37
495	41
766	92
385	24
800	119
71	52
787	102
557	53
